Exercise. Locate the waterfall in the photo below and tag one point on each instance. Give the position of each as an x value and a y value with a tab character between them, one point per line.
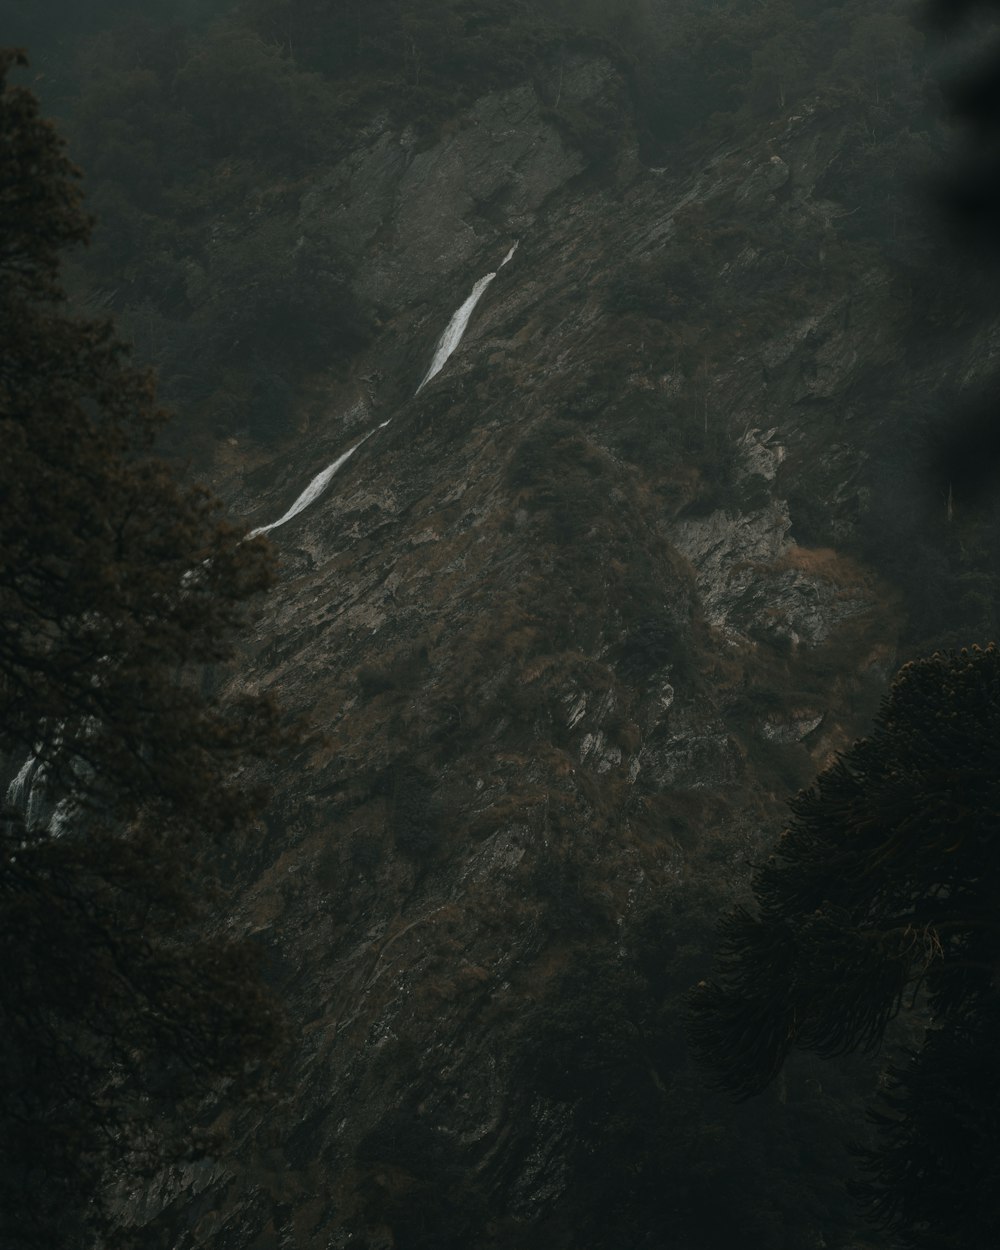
457	325
316	487
26	793
19	790
446	345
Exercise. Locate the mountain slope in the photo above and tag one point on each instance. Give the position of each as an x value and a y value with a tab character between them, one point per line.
574	623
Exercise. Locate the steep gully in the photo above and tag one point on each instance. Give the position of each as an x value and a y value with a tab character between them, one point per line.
26	791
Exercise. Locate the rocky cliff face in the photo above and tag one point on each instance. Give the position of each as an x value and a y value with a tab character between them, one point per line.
573	627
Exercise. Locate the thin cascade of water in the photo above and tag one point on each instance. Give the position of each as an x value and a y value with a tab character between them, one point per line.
316	487
456	327
19	790
26	794
446	345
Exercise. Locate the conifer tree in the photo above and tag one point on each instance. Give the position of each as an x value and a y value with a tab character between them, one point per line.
123	1019
882	891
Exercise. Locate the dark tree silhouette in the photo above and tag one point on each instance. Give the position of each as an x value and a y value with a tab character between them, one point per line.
885	887
122	1020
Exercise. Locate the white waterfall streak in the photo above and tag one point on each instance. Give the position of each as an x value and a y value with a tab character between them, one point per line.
26	793
316	487
19	790
312	492
446	345
455	329
457	325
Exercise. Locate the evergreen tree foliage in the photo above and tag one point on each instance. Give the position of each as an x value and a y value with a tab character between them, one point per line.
883	890
121	1018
